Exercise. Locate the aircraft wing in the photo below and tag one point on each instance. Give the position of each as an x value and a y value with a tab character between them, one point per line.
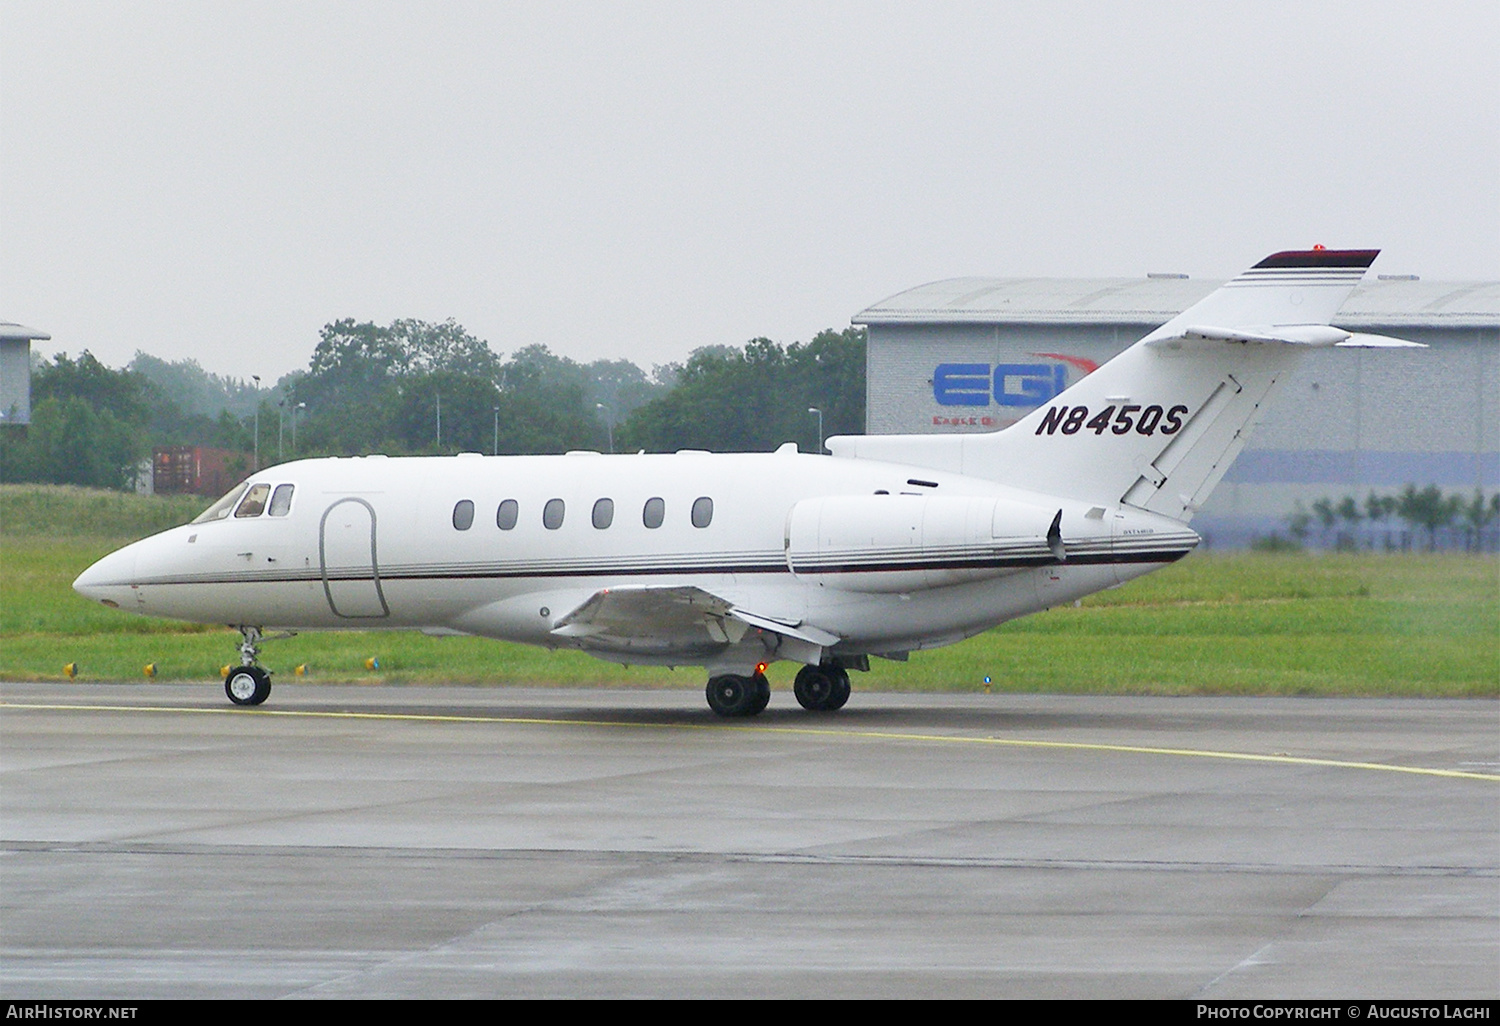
681	619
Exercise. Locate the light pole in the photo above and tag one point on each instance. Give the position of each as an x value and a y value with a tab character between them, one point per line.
814	409
609	424
495	448
299	406
256	378
280	428
439	443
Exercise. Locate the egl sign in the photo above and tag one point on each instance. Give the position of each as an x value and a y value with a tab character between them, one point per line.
1006	384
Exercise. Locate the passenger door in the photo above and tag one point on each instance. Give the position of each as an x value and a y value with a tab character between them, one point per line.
348	558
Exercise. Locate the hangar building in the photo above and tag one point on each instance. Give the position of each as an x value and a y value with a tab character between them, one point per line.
15	371
977	354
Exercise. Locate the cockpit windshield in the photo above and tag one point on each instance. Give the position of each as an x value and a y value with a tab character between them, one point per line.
220	509
255	502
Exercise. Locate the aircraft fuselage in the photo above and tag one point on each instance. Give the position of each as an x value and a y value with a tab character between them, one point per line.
504	547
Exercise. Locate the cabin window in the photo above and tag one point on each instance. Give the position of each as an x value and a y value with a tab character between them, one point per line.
552	514
703	511
506	514
463	514
604	513
654	513
281	500
220	509
255	501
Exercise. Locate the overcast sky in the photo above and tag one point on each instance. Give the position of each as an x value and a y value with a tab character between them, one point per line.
219	180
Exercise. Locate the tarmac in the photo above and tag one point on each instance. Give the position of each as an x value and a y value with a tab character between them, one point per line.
350	841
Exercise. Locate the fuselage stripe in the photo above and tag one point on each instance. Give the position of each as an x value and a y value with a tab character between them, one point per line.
1158	554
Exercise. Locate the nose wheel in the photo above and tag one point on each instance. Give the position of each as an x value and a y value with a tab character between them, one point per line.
247	685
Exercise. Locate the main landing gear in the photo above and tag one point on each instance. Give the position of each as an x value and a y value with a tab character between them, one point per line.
733	695
822	688
248	684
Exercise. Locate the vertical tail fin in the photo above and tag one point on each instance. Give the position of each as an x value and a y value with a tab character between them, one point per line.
1158	426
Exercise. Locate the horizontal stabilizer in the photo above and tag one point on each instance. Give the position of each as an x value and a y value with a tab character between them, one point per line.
1313	335
1361	340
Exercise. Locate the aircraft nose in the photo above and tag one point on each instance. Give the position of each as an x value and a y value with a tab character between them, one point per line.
108	578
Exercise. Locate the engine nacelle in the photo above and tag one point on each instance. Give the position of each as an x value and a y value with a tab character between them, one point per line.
901	543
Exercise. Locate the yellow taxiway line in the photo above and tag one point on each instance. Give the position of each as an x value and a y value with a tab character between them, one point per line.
830	732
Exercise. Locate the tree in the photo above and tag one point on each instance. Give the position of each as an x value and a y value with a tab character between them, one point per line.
1298	521
543	405
1324	511
459	405
345	388
1348	511
1426	508
119	392
1378	508
423	348
622	388
755	398
363	380
69	442
88	426
194	390
833	366
1478	514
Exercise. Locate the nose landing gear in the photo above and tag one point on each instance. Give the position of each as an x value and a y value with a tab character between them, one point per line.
248	684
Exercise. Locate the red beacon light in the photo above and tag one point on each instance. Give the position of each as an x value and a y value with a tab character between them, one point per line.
1318	247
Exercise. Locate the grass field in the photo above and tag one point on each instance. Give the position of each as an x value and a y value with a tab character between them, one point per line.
1344	624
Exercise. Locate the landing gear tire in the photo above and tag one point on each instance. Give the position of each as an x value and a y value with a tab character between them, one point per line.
822	688
733	695
247	685
813	688
841	689
762	695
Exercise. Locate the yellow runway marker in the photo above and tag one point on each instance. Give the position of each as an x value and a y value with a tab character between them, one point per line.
827	732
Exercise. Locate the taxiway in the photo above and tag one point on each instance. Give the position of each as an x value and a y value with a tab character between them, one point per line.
390	841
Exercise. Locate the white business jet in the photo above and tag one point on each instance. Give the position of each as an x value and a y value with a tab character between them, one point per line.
733	561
